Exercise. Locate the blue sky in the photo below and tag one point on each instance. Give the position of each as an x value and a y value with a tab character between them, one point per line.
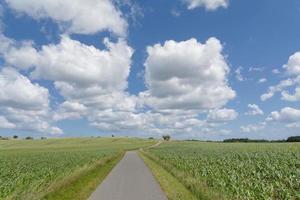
156	72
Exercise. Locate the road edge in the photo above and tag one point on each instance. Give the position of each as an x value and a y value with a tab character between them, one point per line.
174	189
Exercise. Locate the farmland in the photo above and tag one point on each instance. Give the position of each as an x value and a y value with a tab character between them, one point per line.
233	171
31	169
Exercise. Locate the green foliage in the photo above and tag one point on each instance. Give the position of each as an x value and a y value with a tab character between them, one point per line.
294	139
238	171
29	168
166	137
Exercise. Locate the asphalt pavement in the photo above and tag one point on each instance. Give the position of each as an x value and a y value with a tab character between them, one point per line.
130	179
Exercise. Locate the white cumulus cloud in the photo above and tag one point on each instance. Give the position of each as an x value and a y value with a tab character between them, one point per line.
187	75
24	104
222	115
75	16
286	114
254	110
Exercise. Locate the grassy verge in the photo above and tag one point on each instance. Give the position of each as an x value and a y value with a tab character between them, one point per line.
81	185
172	187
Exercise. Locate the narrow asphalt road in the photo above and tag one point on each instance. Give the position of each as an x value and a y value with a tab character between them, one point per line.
130	179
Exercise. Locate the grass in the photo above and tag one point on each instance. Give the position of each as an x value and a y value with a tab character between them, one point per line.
170	185
236	171
32	169
82	185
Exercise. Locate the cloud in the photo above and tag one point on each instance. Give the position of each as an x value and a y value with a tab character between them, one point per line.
186	75
292	70
255	69
4	123
293	65
24	104
79	65
277	88
72	15
207	4
291	97
276	71
262	80
238	74
92	81
222	115
250	128
175	13
286	115
254	110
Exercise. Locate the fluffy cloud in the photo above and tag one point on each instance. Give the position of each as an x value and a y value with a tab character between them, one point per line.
72	15
4	123
208	4
293	65
287	115
292	69
80	65
92	81
186	75
74	66
222	115
254	110
250	128
277	88
25	105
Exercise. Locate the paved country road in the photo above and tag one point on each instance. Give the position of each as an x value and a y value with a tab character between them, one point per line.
129	180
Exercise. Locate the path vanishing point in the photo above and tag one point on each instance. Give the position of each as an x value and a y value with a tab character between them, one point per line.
130	179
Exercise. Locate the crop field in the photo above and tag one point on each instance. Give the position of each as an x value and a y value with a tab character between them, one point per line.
29	169
233	170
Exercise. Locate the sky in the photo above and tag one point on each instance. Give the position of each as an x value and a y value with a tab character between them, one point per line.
194	69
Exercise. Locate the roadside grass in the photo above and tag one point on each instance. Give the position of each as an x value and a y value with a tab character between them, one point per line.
81	185
171	186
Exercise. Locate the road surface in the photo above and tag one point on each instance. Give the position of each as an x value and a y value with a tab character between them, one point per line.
130	179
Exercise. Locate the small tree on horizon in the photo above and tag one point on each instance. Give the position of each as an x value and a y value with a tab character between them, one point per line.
15	137
166	137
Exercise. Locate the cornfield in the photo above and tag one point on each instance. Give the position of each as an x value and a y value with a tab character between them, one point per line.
234	171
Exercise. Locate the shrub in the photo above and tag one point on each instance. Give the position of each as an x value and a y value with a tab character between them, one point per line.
29	138
293	139
166	137
15	137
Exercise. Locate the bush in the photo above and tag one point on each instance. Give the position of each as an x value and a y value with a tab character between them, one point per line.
29	138
43	138
293	139
151	138
15	137
166	137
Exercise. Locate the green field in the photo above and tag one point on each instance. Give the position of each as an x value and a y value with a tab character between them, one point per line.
31	169
233	170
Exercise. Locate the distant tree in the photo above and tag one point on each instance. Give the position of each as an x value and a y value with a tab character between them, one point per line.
43	138
15	137
151	138
166	137
112	135
29	138
293	139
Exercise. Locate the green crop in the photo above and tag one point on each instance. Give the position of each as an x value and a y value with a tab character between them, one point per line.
29	168
236	171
